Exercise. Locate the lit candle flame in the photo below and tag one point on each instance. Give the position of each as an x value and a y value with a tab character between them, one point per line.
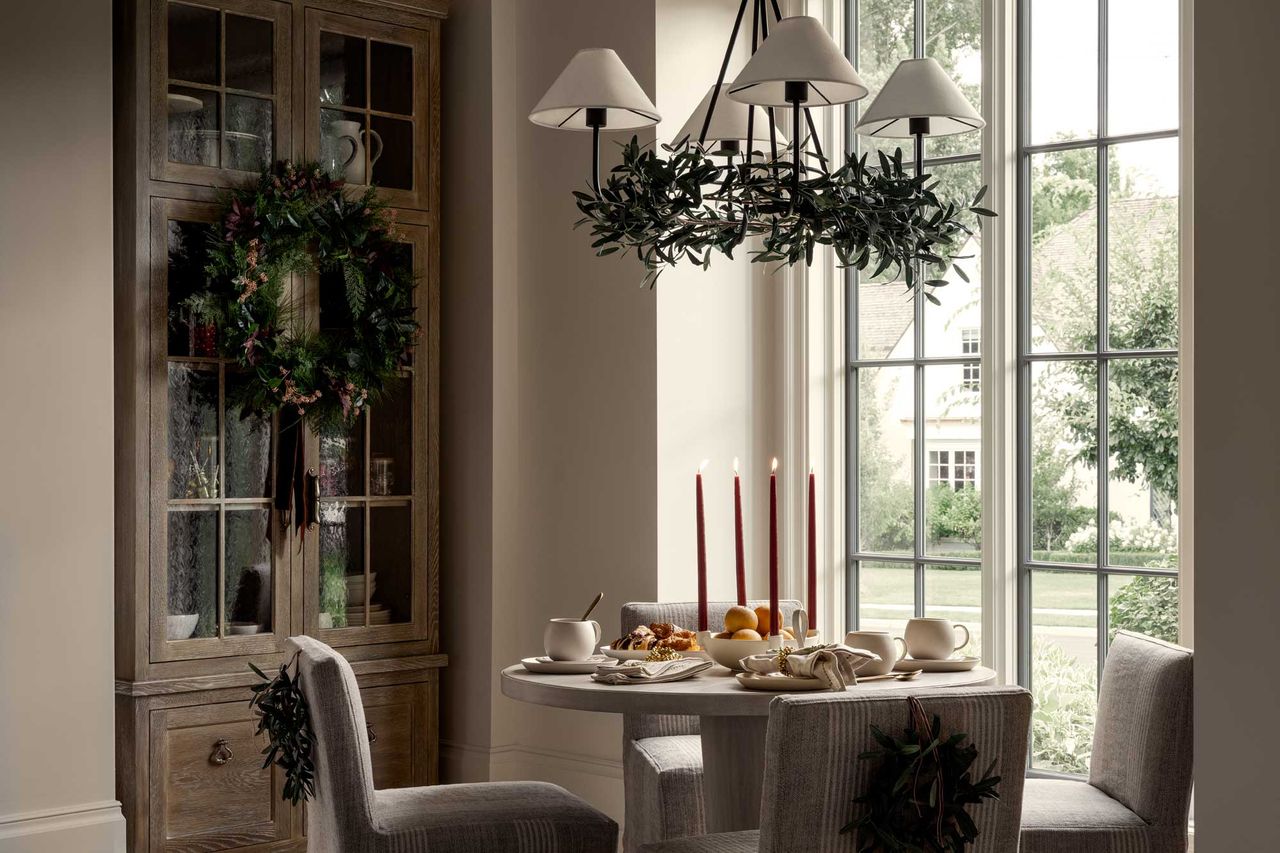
735	466
702	467
775	465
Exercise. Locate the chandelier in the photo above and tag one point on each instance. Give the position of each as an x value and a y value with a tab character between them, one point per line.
731	174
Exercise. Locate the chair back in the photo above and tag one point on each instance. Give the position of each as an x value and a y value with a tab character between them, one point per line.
1142	744
685	615
813	773
341	814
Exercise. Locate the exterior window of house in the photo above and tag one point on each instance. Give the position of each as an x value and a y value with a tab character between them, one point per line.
953	469
1098	349
970	342
912	389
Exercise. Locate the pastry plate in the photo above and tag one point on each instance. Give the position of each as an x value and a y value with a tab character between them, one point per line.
778	682
547	666
948	665
633	654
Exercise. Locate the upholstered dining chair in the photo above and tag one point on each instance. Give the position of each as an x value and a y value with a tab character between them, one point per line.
662	753
1138	794
812	771
348	816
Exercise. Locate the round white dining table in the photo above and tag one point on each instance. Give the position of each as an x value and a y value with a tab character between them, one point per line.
732	722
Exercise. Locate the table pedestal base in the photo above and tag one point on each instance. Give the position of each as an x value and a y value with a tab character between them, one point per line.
732	771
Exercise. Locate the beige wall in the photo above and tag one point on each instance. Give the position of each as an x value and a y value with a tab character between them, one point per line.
57	785
1237	413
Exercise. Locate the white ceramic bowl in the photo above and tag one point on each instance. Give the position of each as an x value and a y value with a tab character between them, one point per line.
182	625
244	628
727	653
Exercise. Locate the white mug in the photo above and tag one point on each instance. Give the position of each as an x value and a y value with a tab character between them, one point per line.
881	643
570	639
929	638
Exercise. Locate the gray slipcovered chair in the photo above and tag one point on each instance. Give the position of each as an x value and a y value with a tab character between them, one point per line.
662	753
812	771
1138	794
349	816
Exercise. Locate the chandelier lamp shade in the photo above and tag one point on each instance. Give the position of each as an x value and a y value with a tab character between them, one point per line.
686	205
595	91
919	100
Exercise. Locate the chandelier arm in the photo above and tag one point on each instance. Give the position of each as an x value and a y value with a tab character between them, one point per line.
751	108
777	12
724	69
817	143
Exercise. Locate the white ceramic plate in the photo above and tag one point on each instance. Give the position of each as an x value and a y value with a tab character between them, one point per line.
630	654
179	104
778	682
948	665
547	666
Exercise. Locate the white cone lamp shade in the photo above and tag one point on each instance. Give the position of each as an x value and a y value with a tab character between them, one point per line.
798	50
595	79
728	123
919	88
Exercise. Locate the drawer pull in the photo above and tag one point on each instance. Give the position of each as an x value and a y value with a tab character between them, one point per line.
221	752
373	736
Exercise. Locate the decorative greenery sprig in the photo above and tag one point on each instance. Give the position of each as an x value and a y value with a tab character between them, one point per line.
296	220
919	793
283	715
686	206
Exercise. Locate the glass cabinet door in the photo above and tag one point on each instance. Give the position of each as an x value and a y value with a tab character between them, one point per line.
369	550
216	550
220	72
368	93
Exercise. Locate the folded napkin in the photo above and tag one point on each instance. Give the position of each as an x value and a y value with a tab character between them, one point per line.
649	672
836	665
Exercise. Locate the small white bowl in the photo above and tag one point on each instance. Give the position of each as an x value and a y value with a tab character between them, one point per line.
244	628
182	625
727	653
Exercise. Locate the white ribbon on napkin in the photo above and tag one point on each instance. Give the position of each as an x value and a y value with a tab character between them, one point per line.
649	672
836	665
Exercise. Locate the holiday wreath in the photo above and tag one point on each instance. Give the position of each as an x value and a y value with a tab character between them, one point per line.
294	220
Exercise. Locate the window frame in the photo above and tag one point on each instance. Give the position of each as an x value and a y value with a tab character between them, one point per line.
1101	144
919	559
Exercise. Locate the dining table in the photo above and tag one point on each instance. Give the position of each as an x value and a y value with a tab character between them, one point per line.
732	721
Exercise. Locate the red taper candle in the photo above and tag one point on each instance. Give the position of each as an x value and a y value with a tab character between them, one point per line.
702	555
738	552
775	615
813	554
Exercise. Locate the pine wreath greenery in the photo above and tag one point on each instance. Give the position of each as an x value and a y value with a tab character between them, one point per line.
284	715
919	793
294	220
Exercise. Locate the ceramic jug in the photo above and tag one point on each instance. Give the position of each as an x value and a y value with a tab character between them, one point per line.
347	141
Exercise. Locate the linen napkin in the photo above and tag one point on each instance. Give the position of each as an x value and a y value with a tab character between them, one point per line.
649	672
836	665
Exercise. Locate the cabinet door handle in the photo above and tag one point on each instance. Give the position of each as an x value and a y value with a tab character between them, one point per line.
221	752
373	736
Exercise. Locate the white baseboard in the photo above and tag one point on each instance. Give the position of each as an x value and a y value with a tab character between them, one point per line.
85	828
597	780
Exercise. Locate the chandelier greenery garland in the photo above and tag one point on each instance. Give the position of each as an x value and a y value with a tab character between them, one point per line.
687	206
296	220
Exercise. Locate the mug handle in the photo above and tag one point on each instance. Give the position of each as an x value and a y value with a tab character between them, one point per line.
966	637
902	656
596	644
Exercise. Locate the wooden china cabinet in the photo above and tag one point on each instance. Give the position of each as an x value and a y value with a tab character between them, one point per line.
208	577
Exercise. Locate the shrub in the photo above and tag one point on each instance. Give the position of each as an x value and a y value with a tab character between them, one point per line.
955	514
1066	703
1146	605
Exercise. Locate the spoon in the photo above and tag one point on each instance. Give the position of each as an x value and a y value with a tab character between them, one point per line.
592	607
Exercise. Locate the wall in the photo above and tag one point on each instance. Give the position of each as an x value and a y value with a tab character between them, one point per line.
1236	409
56	525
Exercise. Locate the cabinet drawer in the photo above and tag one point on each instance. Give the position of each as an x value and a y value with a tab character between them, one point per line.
397	719
209	790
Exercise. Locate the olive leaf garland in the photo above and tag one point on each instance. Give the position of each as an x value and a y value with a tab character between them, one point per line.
918	796
295	220
283	714
686	206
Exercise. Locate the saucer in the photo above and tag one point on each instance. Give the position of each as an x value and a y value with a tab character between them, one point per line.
547	666
948	665
778	682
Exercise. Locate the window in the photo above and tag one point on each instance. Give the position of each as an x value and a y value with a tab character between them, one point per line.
970	345
1098	346
914	512
954	469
